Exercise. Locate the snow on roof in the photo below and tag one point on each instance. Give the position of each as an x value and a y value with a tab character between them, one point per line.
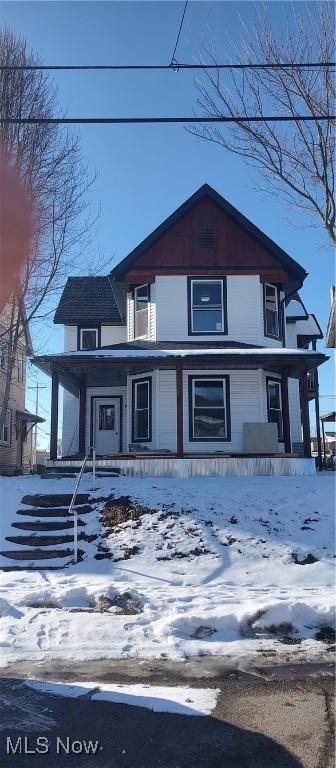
227	352
307	327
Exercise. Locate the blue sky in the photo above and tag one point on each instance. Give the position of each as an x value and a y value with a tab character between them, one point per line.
145	172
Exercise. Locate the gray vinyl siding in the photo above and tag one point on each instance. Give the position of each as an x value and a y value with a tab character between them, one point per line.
70	424
294	410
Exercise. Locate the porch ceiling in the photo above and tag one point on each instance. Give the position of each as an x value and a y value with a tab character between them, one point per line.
110	366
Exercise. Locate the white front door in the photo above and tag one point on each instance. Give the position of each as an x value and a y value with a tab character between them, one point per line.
106	425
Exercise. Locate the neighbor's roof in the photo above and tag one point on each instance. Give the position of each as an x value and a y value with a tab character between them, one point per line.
205	191
92	299
331	416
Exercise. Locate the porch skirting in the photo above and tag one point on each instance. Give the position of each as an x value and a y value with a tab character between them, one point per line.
201	467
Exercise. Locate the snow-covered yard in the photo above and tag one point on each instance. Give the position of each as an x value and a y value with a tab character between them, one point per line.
240	567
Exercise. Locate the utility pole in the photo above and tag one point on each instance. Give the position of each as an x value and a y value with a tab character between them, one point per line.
37	387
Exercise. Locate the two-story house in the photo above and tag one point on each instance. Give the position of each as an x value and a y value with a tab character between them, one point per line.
191	355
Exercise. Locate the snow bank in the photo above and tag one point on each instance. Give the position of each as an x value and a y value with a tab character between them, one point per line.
214	569
179	700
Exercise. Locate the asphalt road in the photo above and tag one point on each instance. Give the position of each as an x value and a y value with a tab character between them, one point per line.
259	722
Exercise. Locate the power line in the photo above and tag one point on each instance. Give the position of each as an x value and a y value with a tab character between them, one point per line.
153	120
173	66
173	62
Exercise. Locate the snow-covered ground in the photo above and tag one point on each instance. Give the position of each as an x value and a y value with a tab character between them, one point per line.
215	569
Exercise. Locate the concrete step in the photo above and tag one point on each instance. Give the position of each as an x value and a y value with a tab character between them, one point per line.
46	525
47	500
56	512
48	541
57	475
40	554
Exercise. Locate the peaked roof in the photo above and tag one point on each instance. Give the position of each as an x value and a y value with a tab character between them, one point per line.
92	299
206	191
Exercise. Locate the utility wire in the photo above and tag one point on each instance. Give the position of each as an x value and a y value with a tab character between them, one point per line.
147	120
173	62
175	65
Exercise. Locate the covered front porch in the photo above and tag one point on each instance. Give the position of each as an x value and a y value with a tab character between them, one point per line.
105	383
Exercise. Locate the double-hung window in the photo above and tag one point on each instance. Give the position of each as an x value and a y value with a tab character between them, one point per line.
271	311
274	405
141	311
88	338
142	416
209	408
5	434
207	306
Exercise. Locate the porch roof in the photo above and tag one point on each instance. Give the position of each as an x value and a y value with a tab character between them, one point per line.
94	367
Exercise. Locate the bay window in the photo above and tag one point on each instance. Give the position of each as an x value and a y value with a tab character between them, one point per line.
209	408
142	406
274	405
141	311
271	311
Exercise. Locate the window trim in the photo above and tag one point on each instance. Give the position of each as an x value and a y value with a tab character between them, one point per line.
7	442
225	379
135	289
279	336
273	379
81	328
200	279
144	380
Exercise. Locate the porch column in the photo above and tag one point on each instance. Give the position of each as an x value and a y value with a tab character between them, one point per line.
317	416
305	413
285	412
179	409
324	446
82	418
54	414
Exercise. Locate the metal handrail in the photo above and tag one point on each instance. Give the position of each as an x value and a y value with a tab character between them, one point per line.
71	509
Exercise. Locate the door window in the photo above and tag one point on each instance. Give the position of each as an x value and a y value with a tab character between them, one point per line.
106	417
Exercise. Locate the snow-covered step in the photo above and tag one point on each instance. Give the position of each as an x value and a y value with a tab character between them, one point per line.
47	500
46	525
107	474
34	540
39	554
56	512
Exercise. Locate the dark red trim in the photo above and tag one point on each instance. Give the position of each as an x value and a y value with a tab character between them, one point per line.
285	413
305	414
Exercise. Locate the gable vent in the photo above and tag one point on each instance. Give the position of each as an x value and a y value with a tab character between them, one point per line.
206	238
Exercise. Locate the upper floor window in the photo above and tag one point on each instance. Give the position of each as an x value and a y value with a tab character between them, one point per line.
88	338
207	306
5	433
271	311
141	311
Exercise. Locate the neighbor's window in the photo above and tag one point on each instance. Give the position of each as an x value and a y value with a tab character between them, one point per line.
271	300
274	405
207	306
88	338
5	432
209	418
3	356
141	410
141	311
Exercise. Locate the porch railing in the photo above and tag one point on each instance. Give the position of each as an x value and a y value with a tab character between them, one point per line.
72	509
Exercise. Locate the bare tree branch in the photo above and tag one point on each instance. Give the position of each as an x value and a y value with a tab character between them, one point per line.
296	159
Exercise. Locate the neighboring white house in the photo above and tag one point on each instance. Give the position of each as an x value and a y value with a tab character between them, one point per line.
196	344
